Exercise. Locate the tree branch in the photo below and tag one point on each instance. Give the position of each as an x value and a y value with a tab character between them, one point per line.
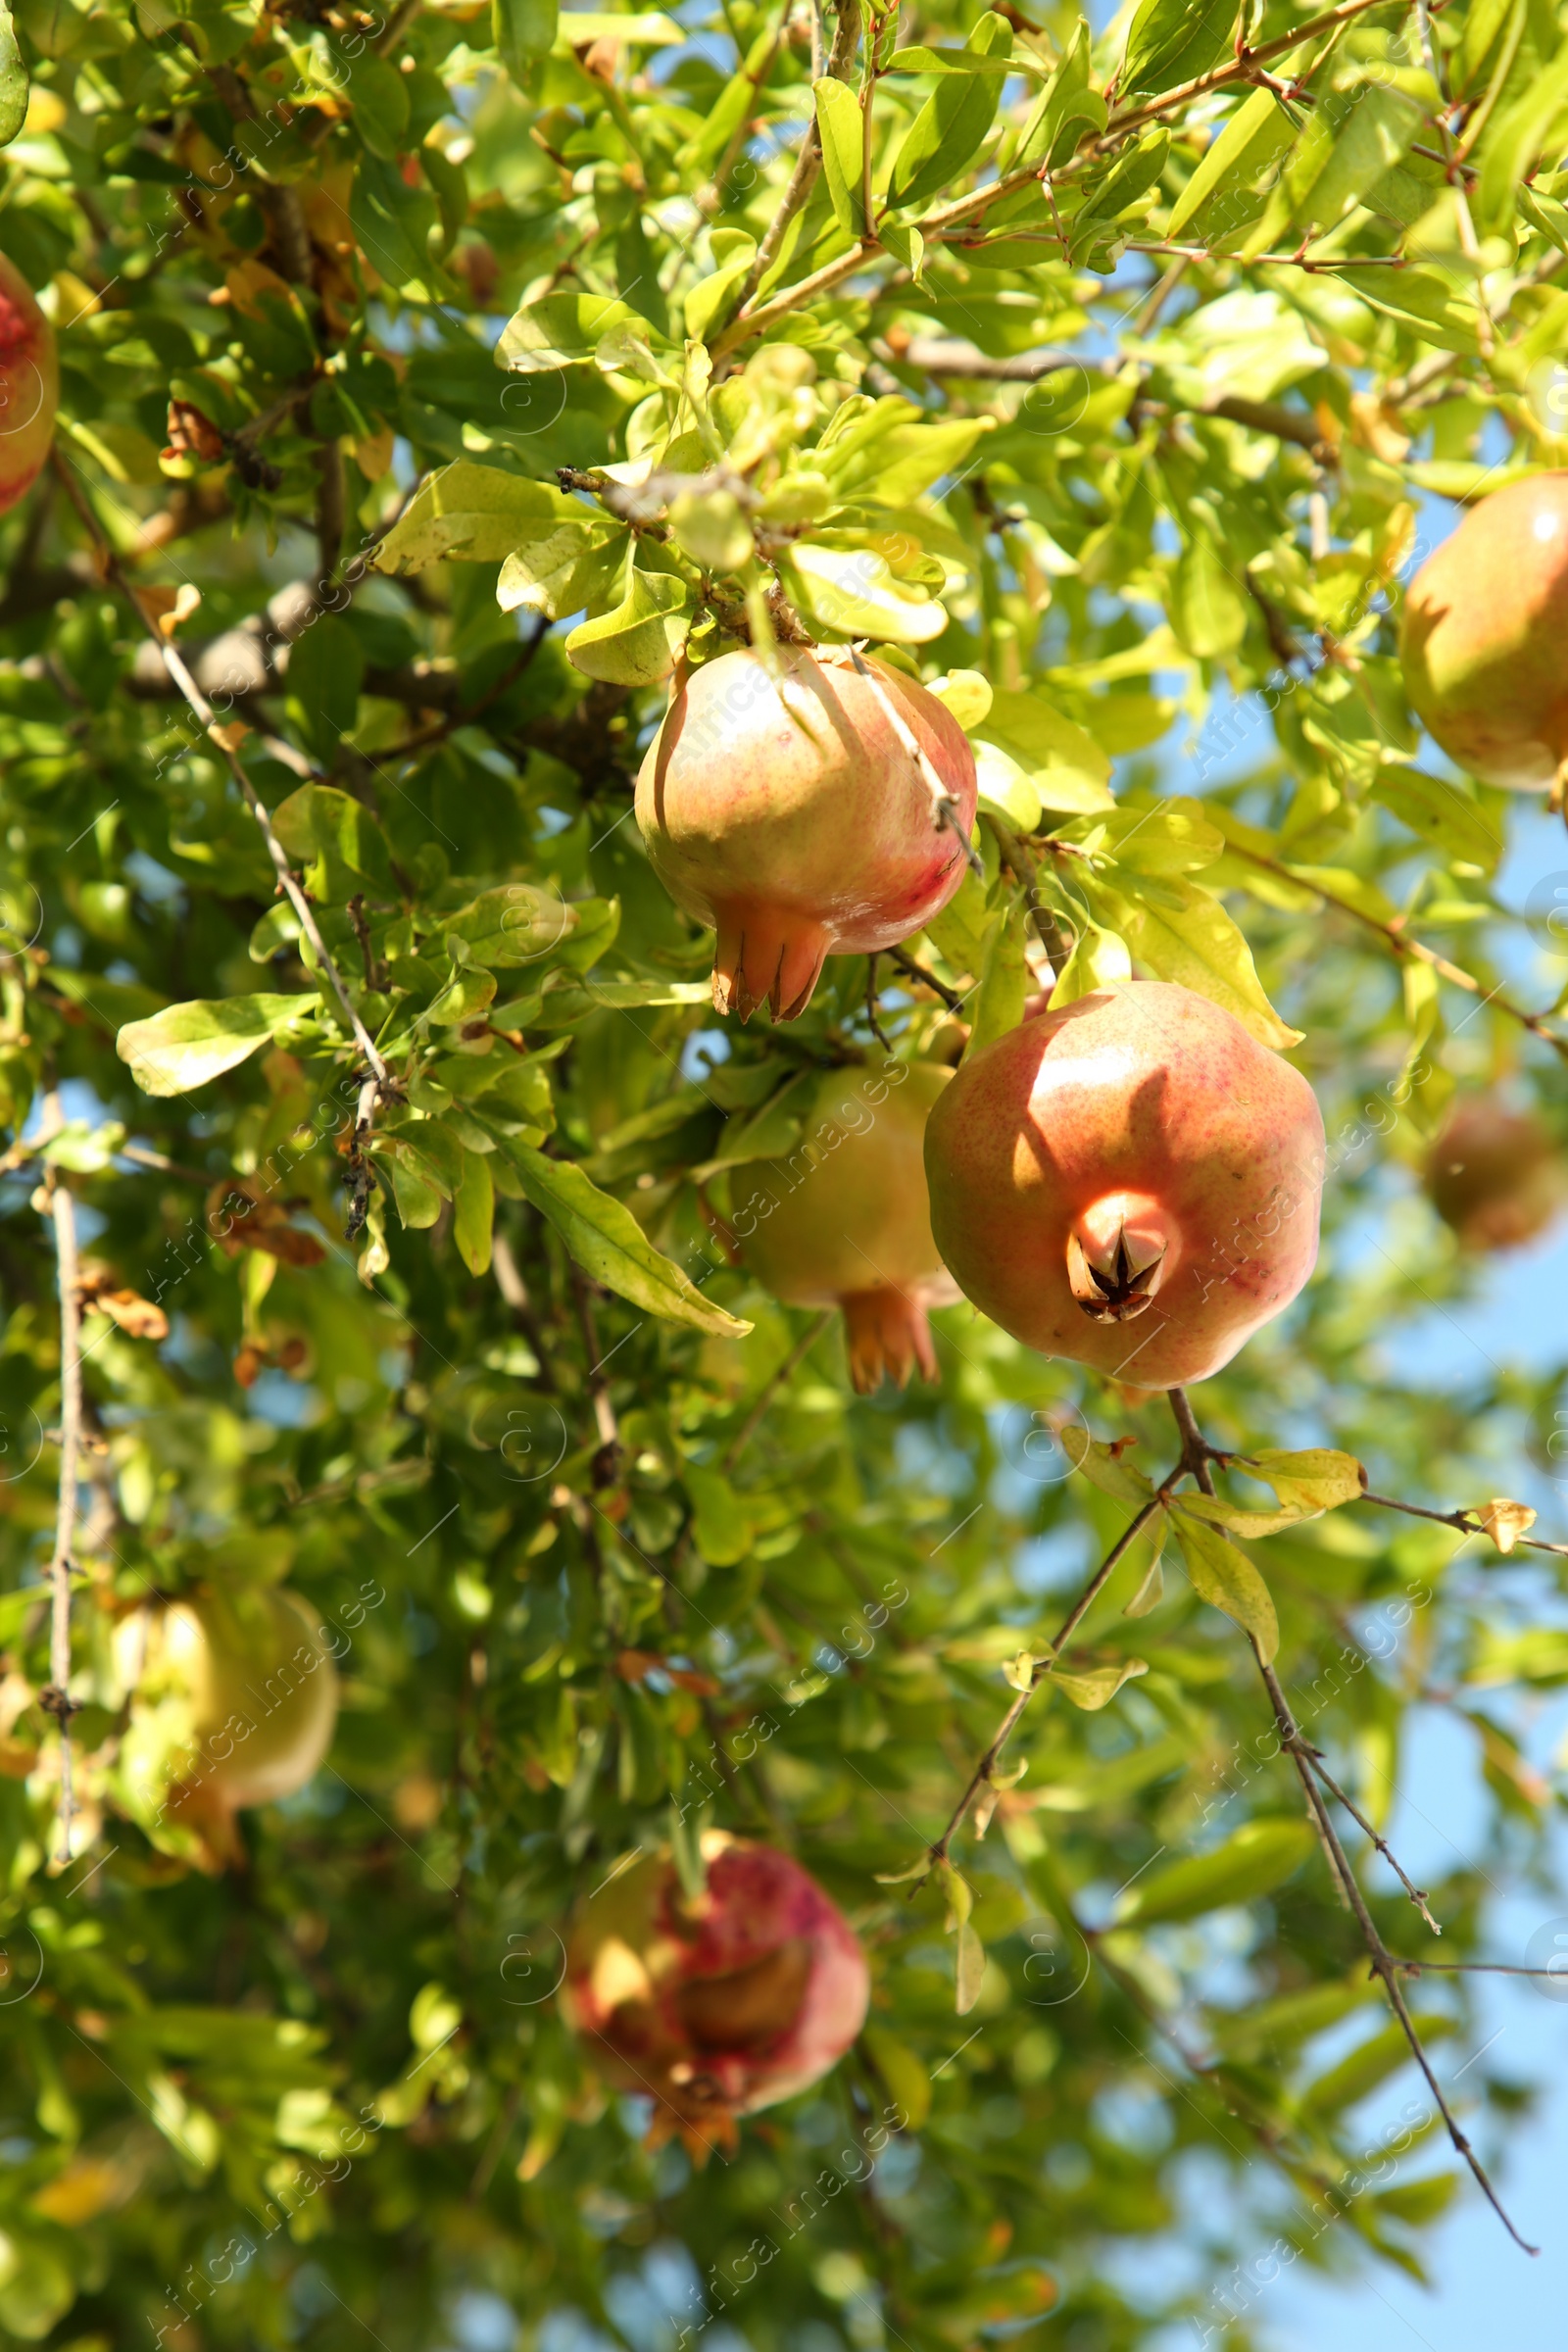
203	709
981	1776
1197	1454
1402	948
771	1387
808	163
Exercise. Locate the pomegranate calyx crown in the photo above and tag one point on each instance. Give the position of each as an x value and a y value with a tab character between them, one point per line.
1113	1279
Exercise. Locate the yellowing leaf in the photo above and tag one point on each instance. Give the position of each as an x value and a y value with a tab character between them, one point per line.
1222	1575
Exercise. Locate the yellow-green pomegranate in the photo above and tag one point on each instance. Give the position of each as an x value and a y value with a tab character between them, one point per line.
235	1696
845	1219
1484	641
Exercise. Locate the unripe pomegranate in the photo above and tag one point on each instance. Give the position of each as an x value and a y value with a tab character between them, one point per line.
235	1696
723	2005
786	811
29	386
1495	1175
1484	641
846	1221
1132	1181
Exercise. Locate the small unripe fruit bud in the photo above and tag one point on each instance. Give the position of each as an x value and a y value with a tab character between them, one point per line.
29	386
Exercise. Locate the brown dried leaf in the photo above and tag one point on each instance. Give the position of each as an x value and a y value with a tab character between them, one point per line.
1504	1521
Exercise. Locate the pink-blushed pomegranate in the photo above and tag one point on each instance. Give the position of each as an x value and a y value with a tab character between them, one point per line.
29	386
1131	1181
846	1220
786	811
1496	1176
716	2006
1484	641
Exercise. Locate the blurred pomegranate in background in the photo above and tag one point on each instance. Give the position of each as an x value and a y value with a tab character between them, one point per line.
1496	1176
717	2004
29	386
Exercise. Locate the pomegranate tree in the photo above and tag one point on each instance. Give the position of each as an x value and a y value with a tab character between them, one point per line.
1496	1176
235	1696
717	2005
1484	641
1131	1181
788	811
29	386
846	1221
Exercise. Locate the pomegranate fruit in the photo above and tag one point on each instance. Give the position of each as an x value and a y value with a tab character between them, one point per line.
1484	640
1131	1181
1496	1176
844	1221
235	1698
787	812
718	2006
29	386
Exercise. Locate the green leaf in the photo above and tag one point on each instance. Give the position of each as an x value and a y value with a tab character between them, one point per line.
517	923
720	1522
1208	606
1441	309
473	1213
842	132
523	30
1212	203
1178	932
952	123
1172	41
481	514
13	80
1222	1575
1372	2063
997	1005
636	644
566	330
1444	813
325	669
1099	959
1105	1467
1348	144
1513	143
709	302
1070	772
609	1244
843	593
970	1969
1068	108
902	2071
190	1045
336	840
1260	1856
1318	1480
1099	1685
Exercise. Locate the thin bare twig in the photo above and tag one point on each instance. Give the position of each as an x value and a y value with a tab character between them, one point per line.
917	971
1468	1522
59	1211
982	1774
217	736
1197	1454
771	1387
